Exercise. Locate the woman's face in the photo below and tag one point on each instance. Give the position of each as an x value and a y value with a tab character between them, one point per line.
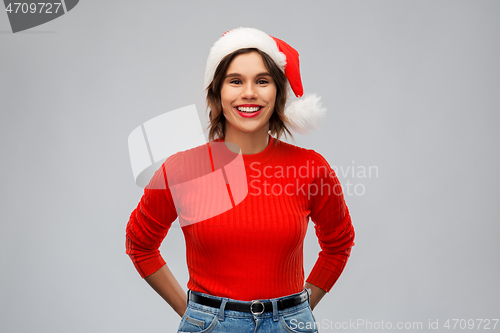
248	95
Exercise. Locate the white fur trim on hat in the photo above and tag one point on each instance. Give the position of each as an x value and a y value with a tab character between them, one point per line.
241	38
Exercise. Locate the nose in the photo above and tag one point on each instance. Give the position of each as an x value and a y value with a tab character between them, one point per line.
249	91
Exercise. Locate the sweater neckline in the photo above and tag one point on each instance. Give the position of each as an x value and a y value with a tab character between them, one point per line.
226	156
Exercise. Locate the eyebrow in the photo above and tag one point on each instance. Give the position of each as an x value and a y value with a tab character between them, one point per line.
238	75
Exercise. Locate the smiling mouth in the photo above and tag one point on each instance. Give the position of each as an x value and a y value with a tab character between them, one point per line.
248	109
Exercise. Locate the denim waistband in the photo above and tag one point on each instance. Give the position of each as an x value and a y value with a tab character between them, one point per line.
222	312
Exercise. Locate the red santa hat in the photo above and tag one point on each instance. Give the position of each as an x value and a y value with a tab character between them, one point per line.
303	114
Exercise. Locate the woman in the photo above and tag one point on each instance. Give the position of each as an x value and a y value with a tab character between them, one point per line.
245	260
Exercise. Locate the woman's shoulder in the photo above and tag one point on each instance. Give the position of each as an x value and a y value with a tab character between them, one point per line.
187	154
291	148
308	153
189	163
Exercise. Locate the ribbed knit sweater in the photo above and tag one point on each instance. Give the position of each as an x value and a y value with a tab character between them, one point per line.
244	238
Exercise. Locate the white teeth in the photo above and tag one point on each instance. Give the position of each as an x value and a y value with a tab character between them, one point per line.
248	109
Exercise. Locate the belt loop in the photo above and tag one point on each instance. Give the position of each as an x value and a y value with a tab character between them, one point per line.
275	309
188	296
222	309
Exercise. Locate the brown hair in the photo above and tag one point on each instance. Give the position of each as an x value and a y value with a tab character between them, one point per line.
277	121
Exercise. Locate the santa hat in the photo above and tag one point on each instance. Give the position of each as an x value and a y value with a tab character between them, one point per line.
303	114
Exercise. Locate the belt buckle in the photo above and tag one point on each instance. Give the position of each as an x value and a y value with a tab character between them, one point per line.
257	302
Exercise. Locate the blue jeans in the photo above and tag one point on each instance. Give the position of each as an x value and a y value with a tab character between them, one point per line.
204	319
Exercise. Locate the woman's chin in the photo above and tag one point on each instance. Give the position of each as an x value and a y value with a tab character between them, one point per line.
249	129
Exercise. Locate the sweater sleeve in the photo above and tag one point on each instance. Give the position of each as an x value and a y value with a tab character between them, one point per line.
149	224
332	224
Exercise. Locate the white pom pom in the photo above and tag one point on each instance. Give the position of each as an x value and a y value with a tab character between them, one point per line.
305	114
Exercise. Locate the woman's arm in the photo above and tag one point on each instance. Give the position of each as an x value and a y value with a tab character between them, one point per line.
147	227
316	294
333	227
167	286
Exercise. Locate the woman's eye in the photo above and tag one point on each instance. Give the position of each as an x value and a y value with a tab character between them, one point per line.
235	81
262	81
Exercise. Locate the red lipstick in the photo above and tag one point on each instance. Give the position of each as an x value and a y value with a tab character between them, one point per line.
249	114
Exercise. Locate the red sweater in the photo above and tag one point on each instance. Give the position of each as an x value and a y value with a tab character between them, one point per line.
245	247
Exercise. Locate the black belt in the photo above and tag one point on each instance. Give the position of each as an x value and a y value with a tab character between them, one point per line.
255	307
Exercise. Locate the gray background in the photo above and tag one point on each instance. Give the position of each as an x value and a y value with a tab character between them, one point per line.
411	87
